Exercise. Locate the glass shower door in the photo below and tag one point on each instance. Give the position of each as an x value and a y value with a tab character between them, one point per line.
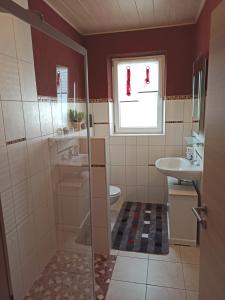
45	194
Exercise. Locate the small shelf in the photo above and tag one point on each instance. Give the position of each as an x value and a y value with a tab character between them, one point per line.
70	136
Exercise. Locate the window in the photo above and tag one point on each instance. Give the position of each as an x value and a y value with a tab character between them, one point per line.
138	92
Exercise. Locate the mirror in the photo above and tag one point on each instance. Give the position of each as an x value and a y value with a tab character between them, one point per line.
199	85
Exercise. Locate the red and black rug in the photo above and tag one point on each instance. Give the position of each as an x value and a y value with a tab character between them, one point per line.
141	227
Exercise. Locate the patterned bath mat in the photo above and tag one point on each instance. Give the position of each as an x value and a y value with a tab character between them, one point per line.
141	227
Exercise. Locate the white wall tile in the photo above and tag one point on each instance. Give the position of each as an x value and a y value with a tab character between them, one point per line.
30	270
13	250
100	212
118	175
13	120
188	111
131	155
157	195
18	162
99	188
142	175
101	130
156	178
142	155
46	118
117	140
45	151
174	134
142	140
100	240
132	193
23	40
156	152
131	140
2	131
8	210
39	190
7	45
32	119
17	284
171	151
57	115
157	140
175	110
41	221
35	149
27	81
22	198
101	112
187	131
4	170
9	79
131	175
26	237
117	155
142	194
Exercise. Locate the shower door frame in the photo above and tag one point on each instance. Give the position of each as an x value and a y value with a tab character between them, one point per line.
36	20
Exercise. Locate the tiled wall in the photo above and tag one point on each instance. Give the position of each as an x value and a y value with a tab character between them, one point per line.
132	158
25	177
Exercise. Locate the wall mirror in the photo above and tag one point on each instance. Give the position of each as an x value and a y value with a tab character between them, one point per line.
199	87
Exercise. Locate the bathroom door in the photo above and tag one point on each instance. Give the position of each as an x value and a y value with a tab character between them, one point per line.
212	242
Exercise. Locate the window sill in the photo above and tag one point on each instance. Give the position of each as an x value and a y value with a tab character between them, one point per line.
136	134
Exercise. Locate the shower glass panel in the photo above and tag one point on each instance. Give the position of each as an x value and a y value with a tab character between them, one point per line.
46	201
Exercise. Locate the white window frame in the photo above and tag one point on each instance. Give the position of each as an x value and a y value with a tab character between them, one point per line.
160	117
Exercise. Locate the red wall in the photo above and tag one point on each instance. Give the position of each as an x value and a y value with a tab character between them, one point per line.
177	43
49	53
203	28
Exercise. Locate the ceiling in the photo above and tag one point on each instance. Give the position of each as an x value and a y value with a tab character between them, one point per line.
100	16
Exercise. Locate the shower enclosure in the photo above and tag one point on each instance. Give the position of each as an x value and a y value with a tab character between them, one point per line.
45	158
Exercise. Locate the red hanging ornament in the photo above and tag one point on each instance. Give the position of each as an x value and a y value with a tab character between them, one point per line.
58	79
147	79
128	82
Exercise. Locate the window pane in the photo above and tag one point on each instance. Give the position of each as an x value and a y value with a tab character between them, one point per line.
138	76
141	114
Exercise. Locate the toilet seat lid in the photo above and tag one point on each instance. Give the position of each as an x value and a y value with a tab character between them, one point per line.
114	190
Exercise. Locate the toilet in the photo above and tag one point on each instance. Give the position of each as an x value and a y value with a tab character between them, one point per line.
114	194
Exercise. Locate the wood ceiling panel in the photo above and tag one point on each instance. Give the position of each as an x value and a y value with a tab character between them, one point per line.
146	12
98	16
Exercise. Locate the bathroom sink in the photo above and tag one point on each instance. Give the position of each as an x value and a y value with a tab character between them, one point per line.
178	167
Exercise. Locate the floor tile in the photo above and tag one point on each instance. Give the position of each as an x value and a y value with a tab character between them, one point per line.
130	269
190	255
133	254
167	274
191	277
162	293
174	255
126	291
192	295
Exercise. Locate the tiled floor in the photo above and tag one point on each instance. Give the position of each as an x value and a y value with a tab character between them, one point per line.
139	276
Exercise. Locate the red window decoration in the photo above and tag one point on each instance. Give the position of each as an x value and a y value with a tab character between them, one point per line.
58	79
147	79
128	82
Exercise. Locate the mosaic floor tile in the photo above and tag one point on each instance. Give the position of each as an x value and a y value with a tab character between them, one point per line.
69	276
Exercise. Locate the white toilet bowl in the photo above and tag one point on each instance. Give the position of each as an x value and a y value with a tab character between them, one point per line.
114	194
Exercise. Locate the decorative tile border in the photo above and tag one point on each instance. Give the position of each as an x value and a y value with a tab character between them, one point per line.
101	123
46	99
97	166
15	141
151	165
173	122
178	97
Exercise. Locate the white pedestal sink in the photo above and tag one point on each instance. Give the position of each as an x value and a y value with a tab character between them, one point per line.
179	167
